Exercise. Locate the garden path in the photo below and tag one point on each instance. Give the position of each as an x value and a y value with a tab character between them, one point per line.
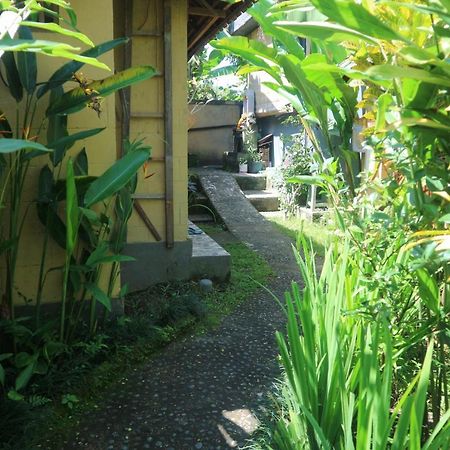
204	392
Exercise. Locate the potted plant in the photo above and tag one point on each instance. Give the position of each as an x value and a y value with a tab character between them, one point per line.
243	163
255	164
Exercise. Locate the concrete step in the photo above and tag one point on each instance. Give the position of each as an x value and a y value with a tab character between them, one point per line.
263	200
251	181
209	259
201	218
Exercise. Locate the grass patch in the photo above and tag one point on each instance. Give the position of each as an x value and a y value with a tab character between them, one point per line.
58	401
320	235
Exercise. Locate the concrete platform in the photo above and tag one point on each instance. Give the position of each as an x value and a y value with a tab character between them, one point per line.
251	181
209	259
263	200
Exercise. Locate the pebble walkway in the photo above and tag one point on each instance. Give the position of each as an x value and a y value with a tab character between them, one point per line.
204	392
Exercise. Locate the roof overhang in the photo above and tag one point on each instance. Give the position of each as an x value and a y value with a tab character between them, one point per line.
208	17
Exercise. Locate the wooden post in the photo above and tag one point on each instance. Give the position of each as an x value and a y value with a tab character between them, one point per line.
168	124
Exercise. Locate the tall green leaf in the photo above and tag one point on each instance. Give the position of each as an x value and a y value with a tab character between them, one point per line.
81	165
14	145
57	125
72	212
323	31
55	28
76	99
12	76
99	295
116	177
65	72
27	64
355	16
63	144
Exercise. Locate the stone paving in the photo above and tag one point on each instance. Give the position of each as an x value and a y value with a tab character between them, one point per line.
204	392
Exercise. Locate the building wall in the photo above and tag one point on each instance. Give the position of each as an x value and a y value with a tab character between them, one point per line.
148	114
153	23
267	102
100	151
211	130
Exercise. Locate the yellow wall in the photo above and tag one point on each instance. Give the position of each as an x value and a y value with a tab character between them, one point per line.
101	153
147	114
147	97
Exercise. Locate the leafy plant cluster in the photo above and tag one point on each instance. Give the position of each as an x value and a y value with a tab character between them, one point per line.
203	71
297	160
80	370
367	346
85	368
86	216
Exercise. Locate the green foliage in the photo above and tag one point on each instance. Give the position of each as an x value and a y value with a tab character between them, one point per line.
315	95
203	71
367	341
341	360
297	160
92	236
28	47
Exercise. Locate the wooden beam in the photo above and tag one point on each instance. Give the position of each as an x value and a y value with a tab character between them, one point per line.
168	123
195	11
148	223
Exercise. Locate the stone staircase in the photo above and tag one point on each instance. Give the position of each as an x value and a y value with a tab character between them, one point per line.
257	190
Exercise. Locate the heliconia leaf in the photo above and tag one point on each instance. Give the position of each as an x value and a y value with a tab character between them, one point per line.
55	28
76	99
99	295
306	179
115	177
12	76
383	104
46	183
81	165
72	212
323	31
49	48
63	144
57	125
24	377
32	45
355	16
14	145
27	63
255	52
66	72
390	72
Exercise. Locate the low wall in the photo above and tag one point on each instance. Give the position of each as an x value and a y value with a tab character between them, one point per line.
211	130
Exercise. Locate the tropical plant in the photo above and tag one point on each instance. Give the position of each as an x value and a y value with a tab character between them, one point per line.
326	104
367	347
14	15
86	216
340	359
297	160
203	72
20	146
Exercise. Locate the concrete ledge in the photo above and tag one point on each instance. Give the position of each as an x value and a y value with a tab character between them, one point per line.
209	259
155	263
251	181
